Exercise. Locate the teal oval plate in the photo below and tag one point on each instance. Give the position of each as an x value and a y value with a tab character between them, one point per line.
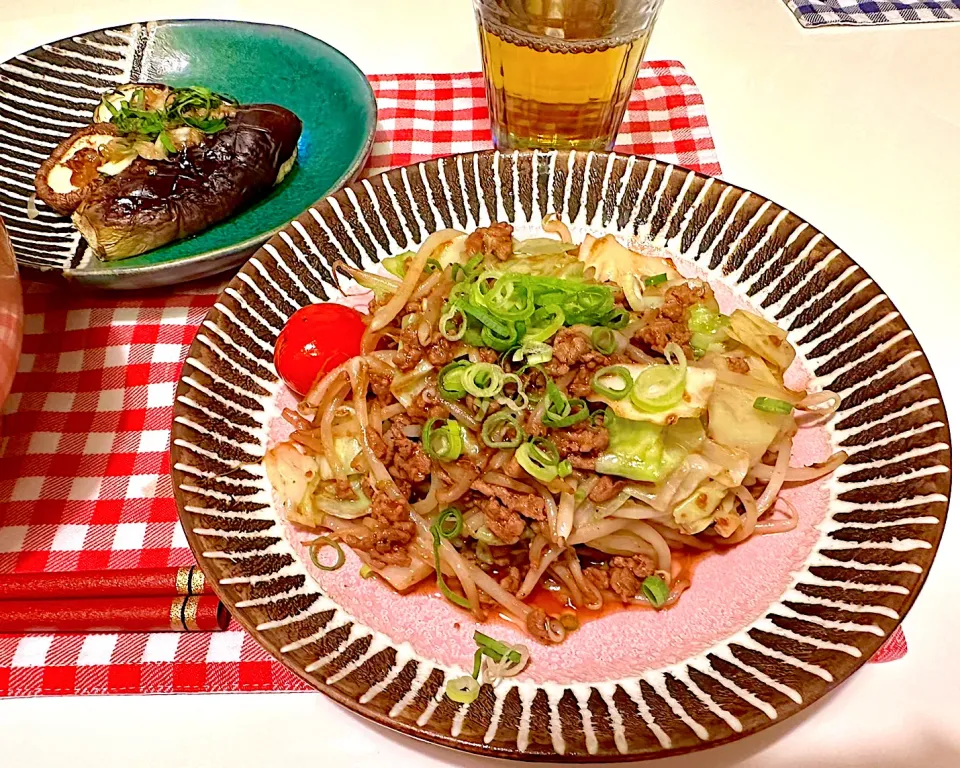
47	93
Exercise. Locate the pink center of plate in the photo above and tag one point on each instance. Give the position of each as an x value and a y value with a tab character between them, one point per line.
731	589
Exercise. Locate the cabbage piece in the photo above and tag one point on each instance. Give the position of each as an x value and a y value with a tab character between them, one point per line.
397	265
766	339
452	252
407	386
542	246
696	395
735	423
564	265
695	513
732	464
635	450
400	577
290	473
607	261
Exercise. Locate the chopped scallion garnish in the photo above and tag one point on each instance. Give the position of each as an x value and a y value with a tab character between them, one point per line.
655	590
655	280
613	374
772	405
319	543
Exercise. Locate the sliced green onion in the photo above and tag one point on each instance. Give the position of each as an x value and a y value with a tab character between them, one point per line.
655	280
494	648
461	272
564	468
539	457
167	142
532	352
442	443
437	532
510	299
483	379
560	411
604	341
486	318
500	342
432	266
617	318
453	314
463	690
618	373
545	451
366	572
450	380
655	590
544	323
450	515
318	544
477	663
519	400
496	430
772	405
660	387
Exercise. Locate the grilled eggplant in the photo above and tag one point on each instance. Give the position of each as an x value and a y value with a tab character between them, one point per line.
156	202
163	164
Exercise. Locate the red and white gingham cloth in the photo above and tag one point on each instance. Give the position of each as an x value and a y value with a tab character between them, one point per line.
84	473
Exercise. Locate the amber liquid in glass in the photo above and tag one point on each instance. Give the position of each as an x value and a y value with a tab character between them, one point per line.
559	73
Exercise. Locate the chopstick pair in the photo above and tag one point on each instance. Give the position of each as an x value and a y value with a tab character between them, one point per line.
135	600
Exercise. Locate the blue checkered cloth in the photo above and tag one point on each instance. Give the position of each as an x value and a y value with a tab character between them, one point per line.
819	13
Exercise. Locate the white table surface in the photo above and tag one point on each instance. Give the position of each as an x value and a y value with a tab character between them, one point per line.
856	130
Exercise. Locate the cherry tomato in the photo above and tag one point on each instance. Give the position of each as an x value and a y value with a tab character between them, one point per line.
316	340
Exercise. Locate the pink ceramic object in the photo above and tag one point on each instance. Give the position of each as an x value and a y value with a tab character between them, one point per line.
11	315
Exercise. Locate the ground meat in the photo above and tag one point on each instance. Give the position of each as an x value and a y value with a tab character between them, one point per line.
406	462
428	405
537	625
503	523
495	240
410	352
599	577
487	355
511	581
627	574
582	384
380	384
530	505
606	489
343	490
572	349
580	439
441	352
738	365
588	463
392	532
670	323
660	332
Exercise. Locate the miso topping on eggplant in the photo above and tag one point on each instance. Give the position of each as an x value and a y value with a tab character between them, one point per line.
160	164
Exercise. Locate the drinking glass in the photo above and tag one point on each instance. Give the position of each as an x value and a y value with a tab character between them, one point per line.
559	73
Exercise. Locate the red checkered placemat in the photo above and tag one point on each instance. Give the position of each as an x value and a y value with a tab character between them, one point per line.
84	480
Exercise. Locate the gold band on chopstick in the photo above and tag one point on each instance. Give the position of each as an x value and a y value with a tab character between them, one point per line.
176	609
190	606
183	614
197	581
183	584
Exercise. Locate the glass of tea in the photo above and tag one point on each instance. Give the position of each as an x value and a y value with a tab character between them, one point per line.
559	73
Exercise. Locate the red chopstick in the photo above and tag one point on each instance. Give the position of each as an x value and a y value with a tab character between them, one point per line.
136	582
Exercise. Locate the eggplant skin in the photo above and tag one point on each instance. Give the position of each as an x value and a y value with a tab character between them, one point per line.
153	203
